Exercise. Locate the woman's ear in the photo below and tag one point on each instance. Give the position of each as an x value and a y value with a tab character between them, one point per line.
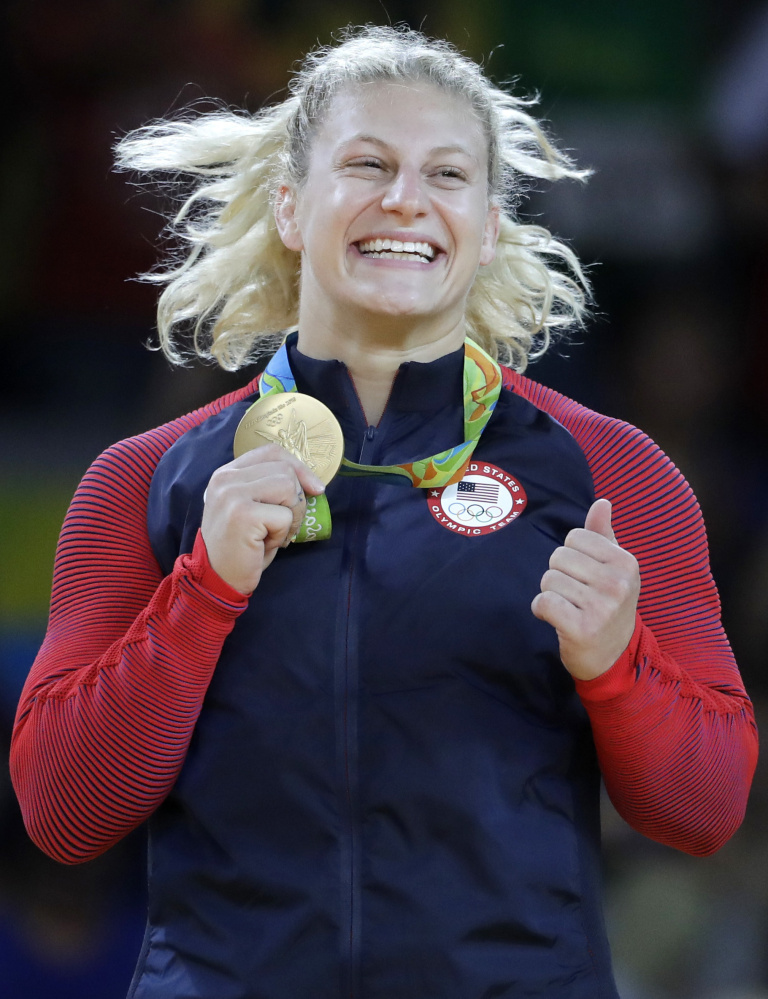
490	236
286	220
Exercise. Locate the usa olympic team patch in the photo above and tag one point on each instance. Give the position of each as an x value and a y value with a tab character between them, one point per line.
485	500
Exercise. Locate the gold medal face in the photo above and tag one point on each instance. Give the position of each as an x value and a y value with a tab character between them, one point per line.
300	424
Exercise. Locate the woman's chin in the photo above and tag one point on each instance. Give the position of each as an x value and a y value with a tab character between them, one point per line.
398	305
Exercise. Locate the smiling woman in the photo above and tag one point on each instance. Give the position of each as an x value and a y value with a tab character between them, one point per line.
238	283
370	761
405	165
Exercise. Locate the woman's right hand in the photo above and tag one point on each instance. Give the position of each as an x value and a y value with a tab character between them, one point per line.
253	506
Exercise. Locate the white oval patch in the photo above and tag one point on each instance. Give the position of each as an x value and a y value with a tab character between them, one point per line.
485	500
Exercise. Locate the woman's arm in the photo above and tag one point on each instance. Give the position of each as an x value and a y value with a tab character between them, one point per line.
108	709
673	726
677	752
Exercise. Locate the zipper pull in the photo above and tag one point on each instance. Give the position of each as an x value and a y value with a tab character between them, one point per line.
368	436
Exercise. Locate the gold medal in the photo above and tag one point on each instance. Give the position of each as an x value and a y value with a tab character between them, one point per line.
300	424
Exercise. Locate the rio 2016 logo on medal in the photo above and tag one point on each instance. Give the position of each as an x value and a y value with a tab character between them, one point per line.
485	500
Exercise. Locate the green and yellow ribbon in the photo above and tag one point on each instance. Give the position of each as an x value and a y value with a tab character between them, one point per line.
482	386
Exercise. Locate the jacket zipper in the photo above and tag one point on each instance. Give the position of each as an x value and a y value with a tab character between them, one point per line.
346	681
368	438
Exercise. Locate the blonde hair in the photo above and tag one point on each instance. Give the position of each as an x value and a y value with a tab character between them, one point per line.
235	283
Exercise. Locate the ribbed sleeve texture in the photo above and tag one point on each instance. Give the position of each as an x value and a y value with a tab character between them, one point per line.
107	712
673	726
109	707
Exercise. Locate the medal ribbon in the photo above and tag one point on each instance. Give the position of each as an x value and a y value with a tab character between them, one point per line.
482	386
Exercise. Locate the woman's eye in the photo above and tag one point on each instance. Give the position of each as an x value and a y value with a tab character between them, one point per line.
452	172
366	162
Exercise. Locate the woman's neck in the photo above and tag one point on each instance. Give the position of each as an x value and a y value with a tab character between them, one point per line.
373	360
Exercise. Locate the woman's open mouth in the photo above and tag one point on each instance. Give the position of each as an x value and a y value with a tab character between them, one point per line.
395	249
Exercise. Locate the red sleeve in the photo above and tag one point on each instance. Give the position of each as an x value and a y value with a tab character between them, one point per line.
674	728
107	712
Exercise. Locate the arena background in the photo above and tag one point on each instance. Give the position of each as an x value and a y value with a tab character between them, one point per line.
666	99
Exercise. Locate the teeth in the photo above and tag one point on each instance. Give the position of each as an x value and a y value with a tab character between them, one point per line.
377	247
397	255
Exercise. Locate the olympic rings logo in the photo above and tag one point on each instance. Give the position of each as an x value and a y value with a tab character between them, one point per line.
475	512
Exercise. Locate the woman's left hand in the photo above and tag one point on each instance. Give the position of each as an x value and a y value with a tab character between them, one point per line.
589	595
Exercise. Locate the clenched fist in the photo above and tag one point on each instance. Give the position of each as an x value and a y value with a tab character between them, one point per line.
589	595
253	506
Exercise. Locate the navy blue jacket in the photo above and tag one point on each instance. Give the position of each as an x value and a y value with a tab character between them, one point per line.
392	790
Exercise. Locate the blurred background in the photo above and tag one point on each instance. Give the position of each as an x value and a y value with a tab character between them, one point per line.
666	99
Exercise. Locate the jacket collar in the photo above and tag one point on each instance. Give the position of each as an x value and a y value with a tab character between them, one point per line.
418	387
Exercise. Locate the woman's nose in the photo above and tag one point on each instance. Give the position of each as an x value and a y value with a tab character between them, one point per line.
406	194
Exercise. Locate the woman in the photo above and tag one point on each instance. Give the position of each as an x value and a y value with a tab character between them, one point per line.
370	759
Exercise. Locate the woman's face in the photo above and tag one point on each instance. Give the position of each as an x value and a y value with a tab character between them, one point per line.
393	218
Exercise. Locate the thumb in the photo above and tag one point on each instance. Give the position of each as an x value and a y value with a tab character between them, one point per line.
599	519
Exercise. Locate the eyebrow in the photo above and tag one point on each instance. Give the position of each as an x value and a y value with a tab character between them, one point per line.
436	150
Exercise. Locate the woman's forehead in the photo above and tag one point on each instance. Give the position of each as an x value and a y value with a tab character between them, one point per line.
403	110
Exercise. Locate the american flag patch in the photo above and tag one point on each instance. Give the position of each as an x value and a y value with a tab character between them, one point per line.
485	492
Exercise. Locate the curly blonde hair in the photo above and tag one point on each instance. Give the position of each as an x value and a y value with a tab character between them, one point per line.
234	282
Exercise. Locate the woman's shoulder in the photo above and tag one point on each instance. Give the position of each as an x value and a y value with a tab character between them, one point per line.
138	456
581	421
627	466
599	436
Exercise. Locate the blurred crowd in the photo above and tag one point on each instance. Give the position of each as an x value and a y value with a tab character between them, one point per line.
666	99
